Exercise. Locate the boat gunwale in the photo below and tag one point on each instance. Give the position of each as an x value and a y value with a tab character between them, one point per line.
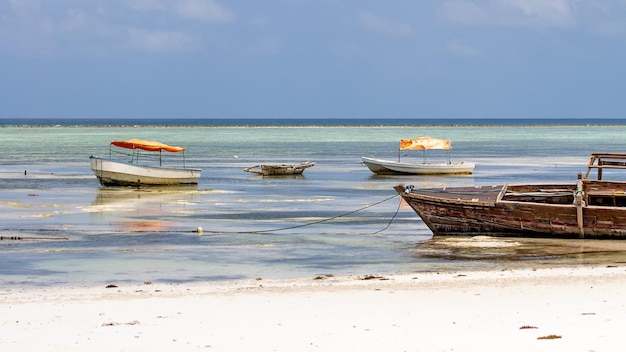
144	166
423	194
429	163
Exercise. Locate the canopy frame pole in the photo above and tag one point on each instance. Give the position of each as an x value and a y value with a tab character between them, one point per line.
580	203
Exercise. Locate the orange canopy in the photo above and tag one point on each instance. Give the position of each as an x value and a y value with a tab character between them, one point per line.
424	143
146	145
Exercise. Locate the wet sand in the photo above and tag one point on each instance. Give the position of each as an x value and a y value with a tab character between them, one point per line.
574	308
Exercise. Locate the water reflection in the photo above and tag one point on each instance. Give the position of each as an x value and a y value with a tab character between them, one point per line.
143	210
532	250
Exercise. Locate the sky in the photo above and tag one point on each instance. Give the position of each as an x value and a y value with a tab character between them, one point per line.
312	59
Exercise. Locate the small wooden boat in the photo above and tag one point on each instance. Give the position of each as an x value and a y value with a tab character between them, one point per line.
382	166
279	169
588	208
141	168
386	167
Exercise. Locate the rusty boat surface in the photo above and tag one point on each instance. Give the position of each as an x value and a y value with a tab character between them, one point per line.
588	208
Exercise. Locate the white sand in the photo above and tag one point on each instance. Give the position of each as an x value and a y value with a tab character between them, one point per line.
476	311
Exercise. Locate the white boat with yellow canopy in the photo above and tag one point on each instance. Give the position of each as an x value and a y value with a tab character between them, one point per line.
382	166
141	168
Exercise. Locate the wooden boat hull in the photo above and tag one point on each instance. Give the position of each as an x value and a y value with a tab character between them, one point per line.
532	211
280	169
115	173
386	167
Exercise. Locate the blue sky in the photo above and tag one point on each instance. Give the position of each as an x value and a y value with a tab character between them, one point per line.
313	58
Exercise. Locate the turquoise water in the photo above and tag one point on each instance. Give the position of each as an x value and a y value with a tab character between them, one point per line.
337	218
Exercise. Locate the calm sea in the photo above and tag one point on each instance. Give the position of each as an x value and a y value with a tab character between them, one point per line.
336	219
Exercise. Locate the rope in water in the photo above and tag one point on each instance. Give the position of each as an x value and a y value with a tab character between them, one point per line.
390	220
319	221
199	230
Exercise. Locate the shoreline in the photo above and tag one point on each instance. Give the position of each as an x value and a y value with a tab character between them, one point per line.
565	308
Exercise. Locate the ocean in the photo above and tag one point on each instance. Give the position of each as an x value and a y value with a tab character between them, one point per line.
59	227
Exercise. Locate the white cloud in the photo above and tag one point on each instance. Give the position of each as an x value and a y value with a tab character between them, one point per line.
75	19
160	41
458	48
260	21
383	26
546	13
603	17
199	10
204	10
600	17
266	46
24	6
147	5
613	28
463	12
78	26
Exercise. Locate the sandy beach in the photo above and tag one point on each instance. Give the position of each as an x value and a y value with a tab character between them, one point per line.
557	309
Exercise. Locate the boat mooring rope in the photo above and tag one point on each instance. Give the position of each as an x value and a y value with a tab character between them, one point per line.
199	230
322	220
390	220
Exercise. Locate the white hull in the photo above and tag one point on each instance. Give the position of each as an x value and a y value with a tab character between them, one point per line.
116	173
381	166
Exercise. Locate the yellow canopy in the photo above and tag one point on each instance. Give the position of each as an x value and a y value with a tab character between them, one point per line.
424	143
152	146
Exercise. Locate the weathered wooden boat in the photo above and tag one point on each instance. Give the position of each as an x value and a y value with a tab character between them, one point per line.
383	167
279	169
141	168
588	208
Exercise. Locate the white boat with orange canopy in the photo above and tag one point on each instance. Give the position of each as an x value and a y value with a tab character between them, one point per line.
382	166
141	168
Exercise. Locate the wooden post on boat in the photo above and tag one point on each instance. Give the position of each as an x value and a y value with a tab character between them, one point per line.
579	205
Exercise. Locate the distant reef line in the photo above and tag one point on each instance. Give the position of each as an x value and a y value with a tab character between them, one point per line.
297	123
313	126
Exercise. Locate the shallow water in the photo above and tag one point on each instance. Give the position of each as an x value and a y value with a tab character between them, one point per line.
337	218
